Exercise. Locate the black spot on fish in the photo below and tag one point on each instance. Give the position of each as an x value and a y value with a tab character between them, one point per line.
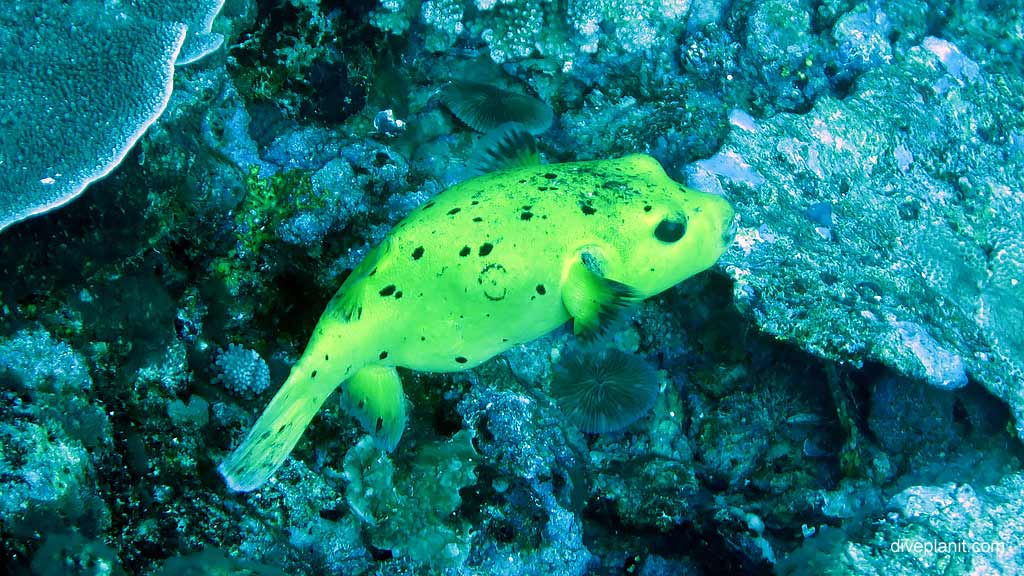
387	290
527	207
428	205
541	289
465	251
522	181
374	271
383	354
265	435
398	295
542	188
284	427
526	215
474	202
478	219
454	211
550	176
461	359
361	404
587	209
486	248
417	253
380	425
423	338
647	208
312	374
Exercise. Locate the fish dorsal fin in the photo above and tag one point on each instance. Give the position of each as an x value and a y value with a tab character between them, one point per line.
507	146
593	301
347	303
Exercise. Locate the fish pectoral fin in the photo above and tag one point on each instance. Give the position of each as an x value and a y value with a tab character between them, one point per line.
593	301
374	396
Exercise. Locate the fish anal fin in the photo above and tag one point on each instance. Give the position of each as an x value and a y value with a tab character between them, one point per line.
374	396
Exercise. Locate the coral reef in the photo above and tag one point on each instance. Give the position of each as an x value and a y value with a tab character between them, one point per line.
243	372
932	221
841	394
50	430
604	390
407	511
944	529
519	29
97	77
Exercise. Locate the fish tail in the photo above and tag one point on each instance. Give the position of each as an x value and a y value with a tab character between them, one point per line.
282	423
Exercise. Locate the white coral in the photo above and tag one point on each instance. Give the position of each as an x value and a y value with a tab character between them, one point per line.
243	372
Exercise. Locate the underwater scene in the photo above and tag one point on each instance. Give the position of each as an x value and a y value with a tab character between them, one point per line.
511	287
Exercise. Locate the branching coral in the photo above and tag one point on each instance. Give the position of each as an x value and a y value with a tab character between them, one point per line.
517	29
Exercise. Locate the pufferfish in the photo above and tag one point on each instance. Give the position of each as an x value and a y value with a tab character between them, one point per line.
489	263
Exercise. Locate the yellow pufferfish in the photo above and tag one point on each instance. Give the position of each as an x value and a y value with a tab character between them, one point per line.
489	263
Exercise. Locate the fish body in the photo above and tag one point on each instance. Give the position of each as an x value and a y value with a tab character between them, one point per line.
492	262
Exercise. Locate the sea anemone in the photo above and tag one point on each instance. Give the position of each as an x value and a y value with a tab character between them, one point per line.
484	107
603	390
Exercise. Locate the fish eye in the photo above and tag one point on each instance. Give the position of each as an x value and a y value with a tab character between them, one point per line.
671	230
